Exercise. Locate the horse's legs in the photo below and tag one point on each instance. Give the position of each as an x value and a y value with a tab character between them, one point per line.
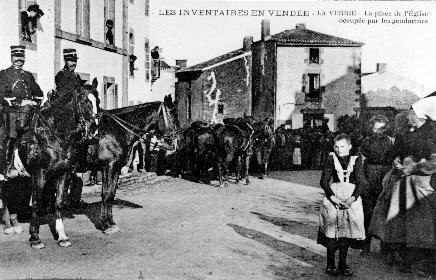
108	195
247	165
38	181
238	168
113	190
6	218
61	185
104	190
259	163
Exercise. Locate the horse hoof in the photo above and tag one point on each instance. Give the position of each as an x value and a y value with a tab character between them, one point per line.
64	243
112	230
37	244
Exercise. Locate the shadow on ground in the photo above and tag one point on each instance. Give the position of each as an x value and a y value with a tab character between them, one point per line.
293	251
92	211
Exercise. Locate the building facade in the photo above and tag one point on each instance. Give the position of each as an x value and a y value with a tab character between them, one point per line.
100	31
301	76
298	77
216	89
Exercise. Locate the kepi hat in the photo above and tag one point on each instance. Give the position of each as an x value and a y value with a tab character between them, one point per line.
18	51
70	54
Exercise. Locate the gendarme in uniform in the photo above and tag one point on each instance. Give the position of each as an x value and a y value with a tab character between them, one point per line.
67	80
17	88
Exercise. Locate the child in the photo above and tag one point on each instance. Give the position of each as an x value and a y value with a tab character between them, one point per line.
341	216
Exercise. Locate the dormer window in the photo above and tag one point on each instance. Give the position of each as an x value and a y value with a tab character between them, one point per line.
314	55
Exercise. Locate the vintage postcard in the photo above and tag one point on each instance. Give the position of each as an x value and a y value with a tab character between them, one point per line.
197	139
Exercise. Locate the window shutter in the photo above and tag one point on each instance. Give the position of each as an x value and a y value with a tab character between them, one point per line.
116	96
304	83
316	82
105	96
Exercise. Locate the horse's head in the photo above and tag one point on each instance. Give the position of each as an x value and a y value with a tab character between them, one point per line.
88	101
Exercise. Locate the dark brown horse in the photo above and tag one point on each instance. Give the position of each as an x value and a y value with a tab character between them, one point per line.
233	142
50	150
263	144
118	133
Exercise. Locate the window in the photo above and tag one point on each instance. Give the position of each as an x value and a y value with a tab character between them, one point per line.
132	57
109	22
147	60
147	7
221	108
313	120
82	18
188	107
311	86
29	15
314	55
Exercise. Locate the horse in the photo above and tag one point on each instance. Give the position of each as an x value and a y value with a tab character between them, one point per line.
117	134
263	144
50	150
233	142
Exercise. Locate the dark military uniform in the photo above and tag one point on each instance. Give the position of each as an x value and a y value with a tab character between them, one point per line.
21	85
67	81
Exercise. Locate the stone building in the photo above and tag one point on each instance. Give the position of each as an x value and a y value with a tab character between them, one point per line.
217	88
104	33
298	77
301	76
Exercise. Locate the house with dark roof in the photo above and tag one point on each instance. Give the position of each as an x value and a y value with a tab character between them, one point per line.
301	76
216	89
298	77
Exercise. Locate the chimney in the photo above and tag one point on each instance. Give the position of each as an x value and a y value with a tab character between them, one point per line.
381	68
265	30
300	26
248	41
182	63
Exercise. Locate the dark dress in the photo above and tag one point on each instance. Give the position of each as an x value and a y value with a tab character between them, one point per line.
405	210
377	150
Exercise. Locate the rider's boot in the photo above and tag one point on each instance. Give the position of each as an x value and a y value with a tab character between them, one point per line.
10	171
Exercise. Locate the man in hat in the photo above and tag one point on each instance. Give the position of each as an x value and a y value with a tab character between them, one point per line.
18	88
67	80
29	21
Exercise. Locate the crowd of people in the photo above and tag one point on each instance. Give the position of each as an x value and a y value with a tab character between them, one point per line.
384	190
308	147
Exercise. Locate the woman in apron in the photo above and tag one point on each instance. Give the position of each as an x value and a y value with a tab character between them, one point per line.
341	214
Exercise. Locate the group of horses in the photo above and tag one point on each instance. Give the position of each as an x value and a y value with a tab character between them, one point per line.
207	151
68	135
71	134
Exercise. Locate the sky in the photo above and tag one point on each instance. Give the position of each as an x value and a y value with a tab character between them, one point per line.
407	48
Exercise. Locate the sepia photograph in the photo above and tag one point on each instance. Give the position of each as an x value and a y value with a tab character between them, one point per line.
217	139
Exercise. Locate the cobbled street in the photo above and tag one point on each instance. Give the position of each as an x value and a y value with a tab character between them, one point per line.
176	229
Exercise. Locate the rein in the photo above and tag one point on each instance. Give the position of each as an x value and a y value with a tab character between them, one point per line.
131	129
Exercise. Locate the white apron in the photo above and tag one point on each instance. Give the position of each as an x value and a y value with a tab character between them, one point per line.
336	223
296	156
